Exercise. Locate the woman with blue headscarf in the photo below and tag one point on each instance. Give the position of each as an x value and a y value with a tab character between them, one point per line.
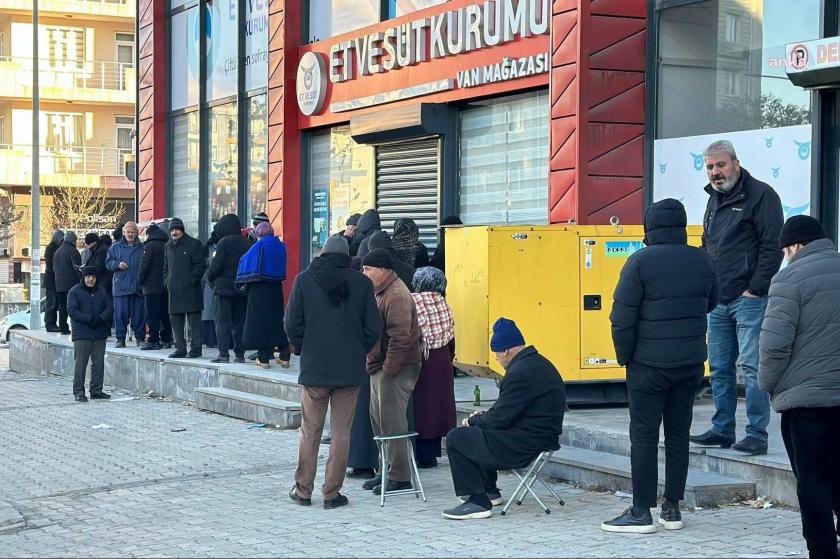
434	393
261	273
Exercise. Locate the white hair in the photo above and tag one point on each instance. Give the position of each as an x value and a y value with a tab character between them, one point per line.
720	146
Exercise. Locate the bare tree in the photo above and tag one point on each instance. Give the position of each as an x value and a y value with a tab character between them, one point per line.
83	209
9	215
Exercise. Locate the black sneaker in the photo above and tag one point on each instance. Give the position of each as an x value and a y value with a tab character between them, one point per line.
253	356
177	355
629	524
372	483
710	438
53	329
239	358
81	398
751	446
119	344
220	359
670	517
64	332
494	496
299	500
100	396
194	354
361	473
149	346
393	486
166	345
340	501
467	511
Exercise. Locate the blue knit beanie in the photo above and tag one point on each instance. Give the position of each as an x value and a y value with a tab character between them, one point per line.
505	335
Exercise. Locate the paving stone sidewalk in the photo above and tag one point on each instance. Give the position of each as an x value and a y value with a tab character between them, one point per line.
160	479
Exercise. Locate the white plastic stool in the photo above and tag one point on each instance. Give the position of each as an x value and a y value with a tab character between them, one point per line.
417	486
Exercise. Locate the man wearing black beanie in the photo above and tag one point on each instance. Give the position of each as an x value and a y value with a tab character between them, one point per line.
393	365
798	366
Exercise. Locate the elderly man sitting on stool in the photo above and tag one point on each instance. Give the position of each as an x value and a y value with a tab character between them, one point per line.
526	419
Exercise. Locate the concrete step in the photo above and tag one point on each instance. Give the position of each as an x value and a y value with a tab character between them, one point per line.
611	471
253	407
274	383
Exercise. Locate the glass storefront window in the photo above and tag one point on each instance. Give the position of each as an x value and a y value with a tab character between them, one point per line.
222	49
222	175
185	155
342	176
256	44
184	68
721	75
408	6
504	160
328	18
257	182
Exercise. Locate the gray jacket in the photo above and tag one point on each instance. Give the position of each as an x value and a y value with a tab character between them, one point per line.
800	336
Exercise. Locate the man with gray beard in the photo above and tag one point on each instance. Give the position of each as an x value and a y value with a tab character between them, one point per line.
741	233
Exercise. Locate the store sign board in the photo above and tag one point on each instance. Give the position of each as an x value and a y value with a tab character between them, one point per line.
311	83
459	31
812	55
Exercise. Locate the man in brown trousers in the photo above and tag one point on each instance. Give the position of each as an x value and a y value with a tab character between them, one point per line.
394	365
332	322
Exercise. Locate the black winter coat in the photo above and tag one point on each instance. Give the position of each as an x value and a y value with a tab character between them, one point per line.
184	266
97	260
65	265
332	337
49	271
231	247
663	295
369	224
741	233
151	263
91	312
527	417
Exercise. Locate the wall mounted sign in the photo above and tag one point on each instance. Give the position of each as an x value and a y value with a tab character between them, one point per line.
311	83
466	29
814	64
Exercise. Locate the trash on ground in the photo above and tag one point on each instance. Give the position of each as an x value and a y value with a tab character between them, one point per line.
151	394
759	503
623	494
178	429
124	399
258	426
187	403
102	426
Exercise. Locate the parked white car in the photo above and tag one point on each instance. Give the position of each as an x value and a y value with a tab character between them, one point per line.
17	321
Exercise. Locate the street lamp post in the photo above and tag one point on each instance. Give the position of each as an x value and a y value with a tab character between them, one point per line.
35	251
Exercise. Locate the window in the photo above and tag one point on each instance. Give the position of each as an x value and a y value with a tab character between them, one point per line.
222	53
125	140
341	182
185	170
257	181
504	160
3	129
328	18
184	59
223	172
2	43
256	44
124	55
64	130
721	75
66	47
731	28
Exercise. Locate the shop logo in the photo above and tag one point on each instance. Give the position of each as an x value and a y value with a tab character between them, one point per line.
798	57
698	161
803	149
775	171
662	167
791	211
311	85
768	142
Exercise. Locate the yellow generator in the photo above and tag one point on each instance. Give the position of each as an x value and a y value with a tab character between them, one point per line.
557	283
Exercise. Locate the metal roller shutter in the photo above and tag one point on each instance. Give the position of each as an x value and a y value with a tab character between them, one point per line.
407	185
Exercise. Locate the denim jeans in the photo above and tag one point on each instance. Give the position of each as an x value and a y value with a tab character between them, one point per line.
734	329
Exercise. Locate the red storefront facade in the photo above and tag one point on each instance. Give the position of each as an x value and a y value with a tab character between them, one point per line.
594	74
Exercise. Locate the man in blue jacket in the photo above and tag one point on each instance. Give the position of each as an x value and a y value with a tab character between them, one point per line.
124	260
91	313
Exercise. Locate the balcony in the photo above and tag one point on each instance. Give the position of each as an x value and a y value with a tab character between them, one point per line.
90	167
90	81
88	9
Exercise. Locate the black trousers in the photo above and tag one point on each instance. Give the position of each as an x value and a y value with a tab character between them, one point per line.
61	296
179	322
474	468
230	322
157	318
812	441
660	396
51	309
84	351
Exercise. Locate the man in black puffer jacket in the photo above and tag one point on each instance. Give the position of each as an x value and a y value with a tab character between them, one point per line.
154	291
231	303
66	263
332	322
51	304
741	233
91	313
405	272
659	331
369	224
